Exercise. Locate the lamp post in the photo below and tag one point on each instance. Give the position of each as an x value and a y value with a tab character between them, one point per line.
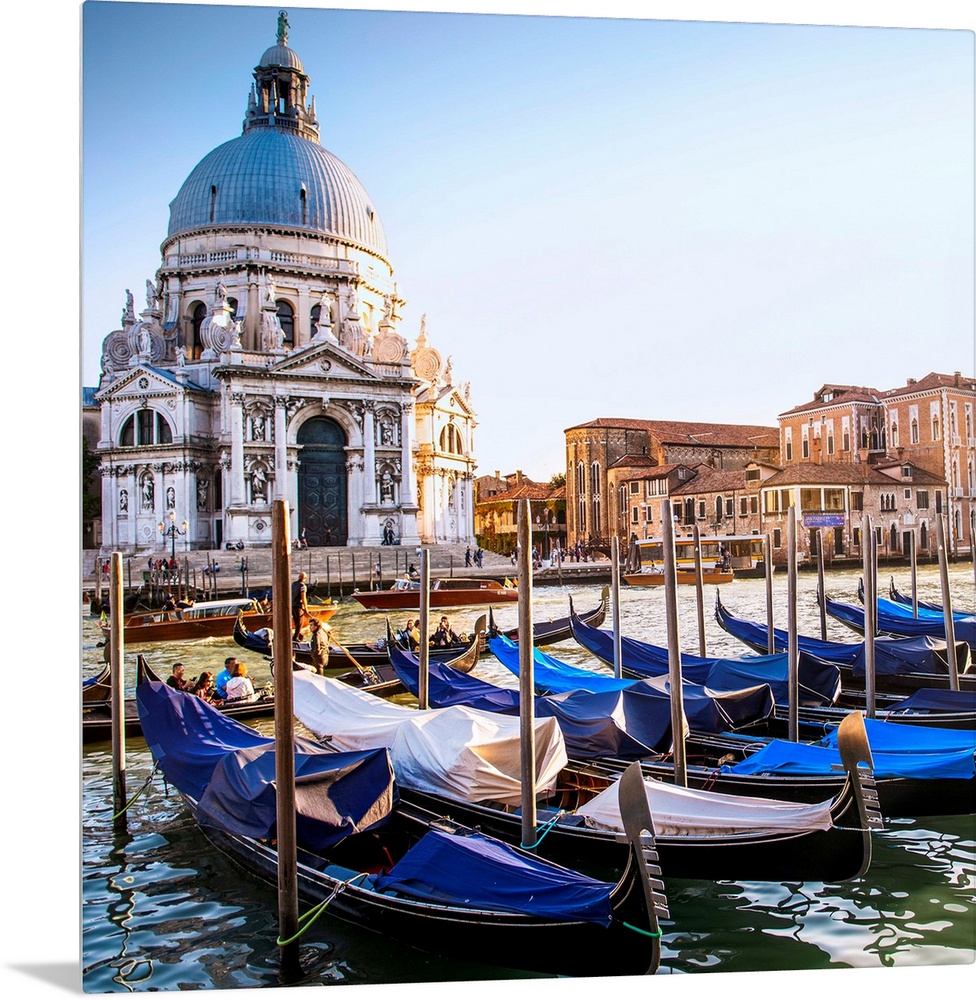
544	520
171	533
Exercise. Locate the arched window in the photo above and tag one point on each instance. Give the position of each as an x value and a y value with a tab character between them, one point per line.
935	427
145	427
451	440
286	317
894	434
914	431
580	479
194	345
923	536
719	508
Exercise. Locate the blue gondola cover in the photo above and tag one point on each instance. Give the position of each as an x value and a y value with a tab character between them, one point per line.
229	770
482	873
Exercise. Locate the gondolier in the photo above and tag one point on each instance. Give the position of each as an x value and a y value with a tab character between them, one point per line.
299	604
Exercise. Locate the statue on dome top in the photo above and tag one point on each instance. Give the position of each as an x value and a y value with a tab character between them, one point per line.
282	27
151	298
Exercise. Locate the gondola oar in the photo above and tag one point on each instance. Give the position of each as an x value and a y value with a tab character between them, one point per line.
368	674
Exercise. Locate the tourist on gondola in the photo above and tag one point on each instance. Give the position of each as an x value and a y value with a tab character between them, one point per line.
444	635
177	679
204	688
239	687
220	682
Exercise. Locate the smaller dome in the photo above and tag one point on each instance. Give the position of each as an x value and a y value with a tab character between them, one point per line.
281	55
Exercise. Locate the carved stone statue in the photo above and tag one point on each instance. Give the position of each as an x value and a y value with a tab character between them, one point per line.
129	313
202	491
220	294
282	27
272	290
148	494
124	501
386	487
386	433
257	427
259	484
181	356
145	342
170	498
151	297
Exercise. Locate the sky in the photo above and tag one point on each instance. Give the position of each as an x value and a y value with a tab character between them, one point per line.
677	220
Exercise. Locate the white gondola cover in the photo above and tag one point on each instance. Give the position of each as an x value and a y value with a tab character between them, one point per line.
687	812
458	752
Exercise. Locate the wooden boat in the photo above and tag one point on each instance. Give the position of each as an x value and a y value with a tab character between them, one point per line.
722	557
401	871
98	688
204	620
454	592
556	629
903	665
461	656
703	834
655	578
96	718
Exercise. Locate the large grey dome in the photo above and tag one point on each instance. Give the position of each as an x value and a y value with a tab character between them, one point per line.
270	176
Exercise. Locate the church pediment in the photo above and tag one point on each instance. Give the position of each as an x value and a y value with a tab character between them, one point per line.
323	359
143	380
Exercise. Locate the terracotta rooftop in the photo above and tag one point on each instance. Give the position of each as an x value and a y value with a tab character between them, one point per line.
838	474
842	395
933	381
711	480
692	432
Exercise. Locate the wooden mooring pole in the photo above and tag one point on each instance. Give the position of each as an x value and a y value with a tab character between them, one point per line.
423	653
869	576
699	589
284	728
674	647
526	675
793	651
820	584
768	553
615	590
950	624
116	660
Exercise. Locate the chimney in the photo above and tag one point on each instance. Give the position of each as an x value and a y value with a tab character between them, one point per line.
957	378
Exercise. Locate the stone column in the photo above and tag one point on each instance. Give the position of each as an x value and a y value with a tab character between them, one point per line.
131	538
408	489
369	454
281	448
237	449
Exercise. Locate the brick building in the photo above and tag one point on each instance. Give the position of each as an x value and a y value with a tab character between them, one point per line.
594	506
927	424
496	513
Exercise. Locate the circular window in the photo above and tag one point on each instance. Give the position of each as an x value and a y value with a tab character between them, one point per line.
144	383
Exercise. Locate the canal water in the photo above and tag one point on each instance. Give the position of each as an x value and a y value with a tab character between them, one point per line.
162	911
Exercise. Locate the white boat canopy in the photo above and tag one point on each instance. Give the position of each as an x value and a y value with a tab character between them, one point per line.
459	752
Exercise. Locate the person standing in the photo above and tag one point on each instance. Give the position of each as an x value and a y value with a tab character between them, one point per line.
318	647
299	604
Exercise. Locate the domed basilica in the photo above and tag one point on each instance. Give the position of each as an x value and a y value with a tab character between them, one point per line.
268	362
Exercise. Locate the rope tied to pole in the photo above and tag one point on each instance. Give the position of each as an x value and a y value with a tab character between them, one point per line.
145	785
309	918
545	828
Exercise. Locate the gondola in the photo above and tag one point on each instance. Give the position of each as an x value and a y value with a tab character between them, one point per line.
903	665
893	620
97	688
819	680
556	629
462	655
920	772
401	871
703	834
630	723
902	608
897	597
96	719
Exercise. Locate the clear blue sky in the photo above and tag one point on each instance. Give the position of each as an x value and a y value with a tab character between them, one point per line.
600	217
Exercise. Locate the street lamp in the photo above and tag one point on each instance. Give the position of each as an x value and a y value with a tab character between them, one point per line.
171	533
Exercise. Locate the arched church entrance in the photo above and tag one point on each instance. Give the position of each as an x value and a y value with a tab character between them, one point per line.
322	505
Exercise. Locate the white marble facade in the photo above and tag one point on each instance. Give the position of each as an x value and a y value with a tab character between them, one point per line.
268	364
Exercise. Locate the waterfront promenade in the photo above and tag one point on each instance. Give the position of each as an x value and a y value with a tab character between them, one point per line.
333	568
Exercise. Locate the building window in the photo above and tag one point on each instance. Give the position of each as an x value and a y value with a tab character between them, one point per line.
830	443
194	346
777	538
923	536
635	515
635	487
894	434
922	499
846	446
719	507
145	427
754	505
913	430
743	506
286	317
857	501
789	451
729	508
580	479
451	441
806	448
936	431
